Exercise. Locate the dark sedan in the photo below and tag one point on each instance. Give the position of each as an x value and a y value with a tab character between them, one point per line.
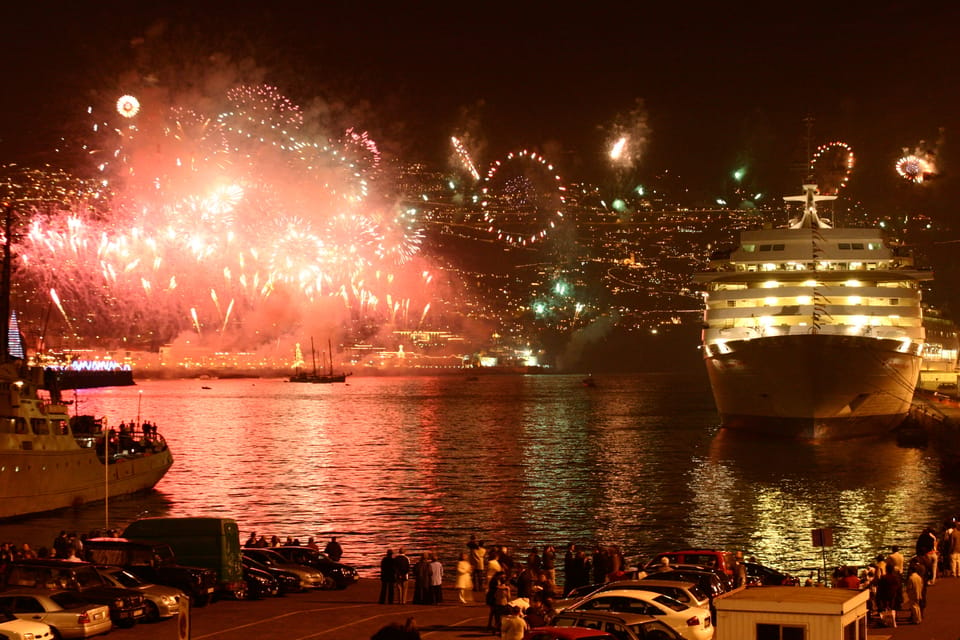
343	575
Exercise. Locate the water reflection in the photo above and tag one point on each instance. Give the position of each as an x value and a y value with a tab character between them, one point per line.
522	460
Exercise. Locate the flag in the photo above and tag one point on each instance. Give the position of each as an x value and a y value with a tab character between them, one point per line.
183	624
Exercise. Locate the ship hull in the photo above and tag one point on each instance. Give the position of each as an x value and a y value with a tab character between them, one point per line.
37	481
815	386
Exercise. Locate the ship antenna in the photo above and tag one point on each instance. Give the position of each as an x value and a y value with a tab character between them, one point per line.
5	282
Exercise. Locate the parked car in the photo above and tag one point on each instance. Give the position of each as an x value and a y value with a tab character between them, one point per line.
693	623
724	561
307	577
126	605
708	581
624	626
13	628
286	582
566	633
689	593
160	601
154	563
758	574
341	575
67	613
259	582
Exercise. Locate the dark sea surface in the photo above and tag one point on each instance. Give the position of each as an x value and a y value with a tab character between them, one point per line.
636	461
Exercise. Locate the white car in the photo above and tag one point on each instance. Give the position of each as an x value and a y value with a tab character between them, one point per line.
693	623
66	612
13	628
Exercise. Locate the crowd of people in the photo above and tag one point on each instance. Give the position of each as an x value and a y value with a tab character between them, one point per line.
67	545
898	584
519	592
333	550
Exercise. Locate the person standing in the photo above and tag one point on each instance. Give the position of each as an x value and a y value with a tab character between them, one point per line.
401	565
436	580
550	564
896	559
513	626
478	558
888	590
464	577
421	580
954	545
333	549
388	578
927	551
493	566
913	594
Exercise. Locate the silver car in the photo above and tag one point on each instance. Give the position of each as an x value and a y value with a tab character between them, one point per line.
310	577
66	612
159	601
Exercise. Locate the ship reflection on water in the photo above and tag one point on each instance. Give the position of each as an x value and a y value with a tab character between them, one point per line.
519	460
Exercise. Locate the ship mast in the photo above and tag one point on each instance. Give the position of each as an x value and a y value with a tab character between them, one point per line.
5	282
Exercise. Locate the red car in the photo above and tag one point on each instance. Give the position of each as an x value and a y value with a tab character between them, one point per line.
567	633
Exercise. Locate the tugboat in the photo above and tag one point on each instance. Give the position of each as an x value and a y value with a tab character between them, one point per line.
49	460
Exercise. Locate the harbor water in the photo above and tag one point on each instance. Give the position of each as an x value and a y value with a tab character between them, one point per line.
636	461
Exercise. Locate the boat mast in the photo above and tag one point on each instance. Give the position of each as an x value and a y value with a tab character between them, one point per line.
313	356
330	351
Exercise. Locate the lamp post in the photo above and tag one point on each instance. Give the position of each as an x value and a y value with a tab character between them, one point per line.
106	478
139	400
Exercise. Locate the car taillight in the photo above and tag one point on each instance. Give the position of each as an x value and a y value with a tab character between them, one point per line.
693	622
83	618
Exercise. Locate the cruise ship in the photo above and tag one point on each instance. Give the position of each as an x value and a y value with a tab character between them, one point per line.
811	331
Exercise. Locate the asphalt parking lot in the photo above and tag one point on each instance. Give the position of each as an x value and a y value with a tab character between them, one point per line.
351	614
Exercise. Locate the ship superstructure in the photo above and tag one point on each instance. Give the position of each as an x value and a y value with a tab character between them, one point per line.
812	331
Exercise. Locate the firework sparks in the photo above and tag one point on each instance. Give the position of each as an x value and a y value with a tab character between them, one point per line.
236	203
463	156
522	198
832	164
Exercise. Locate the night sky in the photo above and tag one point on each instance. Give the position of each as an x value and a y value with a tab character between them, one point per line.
721	86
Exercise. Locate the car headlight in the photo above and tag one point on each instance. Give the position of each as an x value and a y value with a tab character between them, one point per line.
167	599
118	603
28	636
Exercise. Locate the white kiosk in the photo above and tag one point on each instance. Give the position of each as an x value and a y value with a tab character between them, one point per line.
792	613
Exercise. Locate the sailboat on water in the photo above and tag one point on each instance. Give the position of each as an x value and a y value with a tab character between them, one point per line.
315	376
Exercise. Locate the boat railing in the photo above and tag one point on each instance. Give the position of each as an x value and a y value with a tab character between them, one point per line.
130	441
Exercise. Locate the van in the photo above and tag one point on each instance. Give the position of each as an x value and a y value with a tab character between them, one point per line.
722	561
213	543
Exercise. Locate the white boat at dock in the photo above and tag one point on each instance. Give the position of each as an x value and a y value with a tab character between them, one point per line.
812	331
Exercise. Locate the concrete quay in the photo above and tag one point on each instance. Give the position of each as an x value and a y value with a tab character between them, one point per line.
940	619
353	614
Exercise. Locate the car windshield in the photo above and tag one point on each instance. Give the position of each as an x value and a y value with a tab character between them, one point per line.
261	559
68	600
669	602
127	579
697	592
